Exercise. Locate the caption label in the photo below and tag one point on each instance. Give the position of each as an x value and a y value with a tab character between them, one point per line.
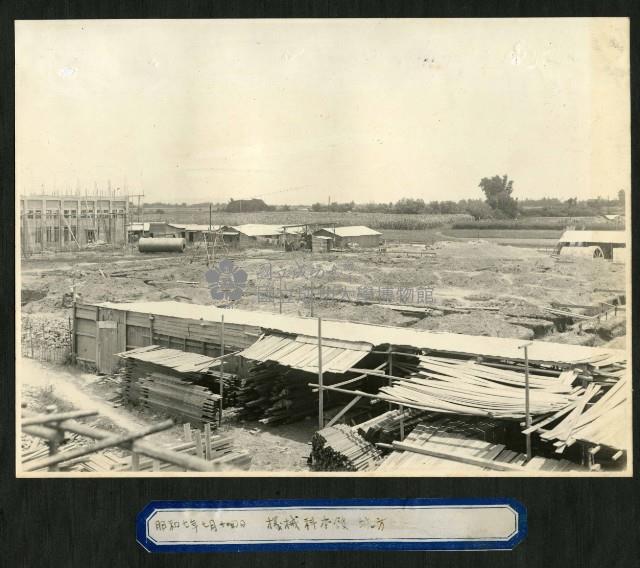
395	524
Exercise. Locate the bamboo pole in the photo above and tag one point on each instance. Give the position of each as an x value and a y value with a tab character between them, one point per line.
189	462
101	445
527	412
221	403
45	419
320	379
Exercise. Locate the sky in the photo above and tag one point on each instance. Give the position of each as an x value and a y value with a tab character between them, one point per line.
300	111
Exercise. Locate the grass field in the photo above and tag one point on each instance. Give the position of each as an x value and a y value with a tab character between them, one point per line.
540	223
503	233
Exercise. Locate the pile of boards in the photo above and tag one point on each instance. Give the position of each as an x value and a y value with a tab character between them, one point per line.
182	385
604	422
451	444
274	394
466	387
340	448
213	448
172	396
387	427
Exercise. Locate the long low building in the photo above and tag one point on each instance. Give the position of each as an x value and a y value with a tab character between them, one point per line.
343	237
102	330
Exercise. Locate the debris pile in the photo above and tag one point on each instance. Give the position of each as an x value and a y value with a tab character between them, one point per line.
217	449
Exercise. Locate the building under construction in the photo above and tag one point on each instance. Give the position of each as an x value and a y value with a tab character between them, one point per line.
71	222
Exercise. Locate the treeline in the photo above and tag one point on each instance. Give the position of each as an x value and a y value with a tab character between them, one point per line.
479	209
408	206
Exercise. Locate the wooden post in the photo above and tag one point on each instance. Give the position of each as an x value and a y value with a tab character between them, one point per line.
135	461
198	442
280	293
209	234
527	412
390	369
151	318
54	442
320	384
207	441
221	389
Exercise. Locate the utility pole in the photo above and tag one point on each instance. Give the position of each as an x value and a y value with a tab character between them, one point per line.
213	248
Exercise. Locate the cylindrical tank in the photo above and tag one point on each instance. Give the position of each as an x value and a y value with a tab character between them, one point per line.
588	252
150	244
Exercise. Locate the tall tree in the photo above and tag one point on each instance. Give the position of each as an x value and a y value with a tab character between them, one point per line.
497	191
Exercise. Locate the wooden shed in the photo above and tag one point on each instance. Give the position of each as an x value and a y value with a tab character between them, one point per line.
351	237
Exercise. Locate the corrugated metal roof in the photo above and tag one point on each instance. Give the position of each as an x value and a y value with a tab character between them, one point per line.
257	230
475	345
180	361
353	231
302	352
615	237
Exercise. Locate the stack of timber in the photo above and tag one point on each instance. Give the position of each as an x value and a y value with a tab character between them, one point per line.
193	367
174	397
213	448
387	426
466	387
274	394
183	385
455	445
339	448
603	423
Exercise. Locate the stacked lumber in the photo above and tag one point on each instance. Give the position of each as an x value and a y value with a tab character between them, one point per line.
192	367
604	423
215	448
439	384
274	394
172	396
339	448
455	445
386	427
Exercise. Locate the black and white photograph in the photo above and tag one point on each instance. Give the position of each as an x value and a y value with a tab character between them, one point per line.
296	247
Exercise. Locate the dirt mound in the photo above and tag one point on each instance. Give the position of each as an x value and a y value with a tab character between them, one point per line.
475	324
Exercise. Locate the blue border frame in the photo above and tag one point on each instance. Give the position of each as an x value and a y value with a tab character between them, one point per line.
150	546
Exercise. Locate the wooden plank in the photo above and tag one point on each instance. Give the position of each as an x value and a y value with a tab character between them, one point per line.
470	460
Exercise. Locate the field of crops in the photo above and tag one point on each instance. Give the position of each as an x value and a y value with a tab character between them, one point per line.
540	224
379	221
482	233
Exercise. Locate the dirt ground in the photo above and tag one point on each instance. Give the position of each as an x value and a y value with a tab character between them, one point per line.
513	282
274	448
511	285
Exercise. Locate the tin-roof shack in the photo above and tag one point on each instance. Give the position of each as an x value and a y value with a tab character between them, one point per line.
345	237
